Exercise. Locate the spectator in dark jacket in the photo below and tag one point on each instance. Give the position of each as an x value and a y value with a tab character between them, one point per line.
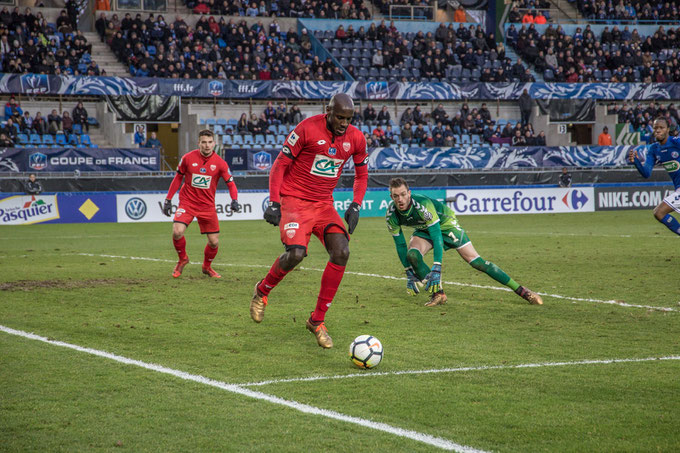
80	117
33	186
67	123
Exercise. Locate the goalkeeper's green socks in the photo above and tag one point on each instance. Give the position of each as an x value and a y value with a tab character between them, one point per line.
494	272
415	258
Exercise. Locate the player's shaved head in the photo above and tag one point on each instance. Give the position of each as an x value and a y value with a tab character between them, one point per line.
339	113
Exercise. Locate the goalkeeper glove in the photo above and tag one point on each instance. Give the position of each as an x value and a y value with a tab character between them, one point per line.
434	279
167	208
352	216
235	207
273	213
412	282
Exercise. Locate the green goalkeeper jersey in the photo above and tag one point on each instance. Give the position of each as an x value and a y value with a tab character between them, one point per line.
425	215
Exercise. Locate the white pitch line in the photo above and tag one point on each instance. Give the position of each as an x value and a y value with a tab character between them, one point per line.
438	442
389	277
454	370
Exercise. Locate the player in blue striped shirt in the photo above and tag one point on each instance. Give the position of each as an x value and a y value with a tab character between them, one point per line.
665	151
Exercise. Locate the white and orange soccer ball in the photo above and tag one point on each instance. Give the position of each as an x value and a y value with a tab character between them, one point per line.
366	351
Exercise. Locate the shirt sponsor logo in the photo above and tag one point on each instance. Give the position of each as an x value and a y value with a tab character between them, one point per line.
671	166
201	181
331	151
293	138
291	226
346	146
321	142
326	167
286	150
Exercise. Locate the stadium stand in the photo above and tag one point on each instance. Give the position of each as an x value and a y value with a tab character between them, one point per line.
278	8
628	11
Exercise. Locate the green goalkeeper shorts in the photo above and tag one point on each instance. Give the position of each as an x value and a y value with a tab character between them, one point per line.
453	239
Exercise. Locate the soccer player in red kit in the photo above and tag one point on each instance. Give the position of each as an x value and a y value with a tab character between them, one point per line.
201	170
301	186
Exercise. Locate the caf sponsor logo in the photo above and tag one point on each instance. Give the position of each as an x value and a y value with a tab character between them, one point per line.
346	146
135	208
671	166
201	181
326	167
291	226
37	161
213	167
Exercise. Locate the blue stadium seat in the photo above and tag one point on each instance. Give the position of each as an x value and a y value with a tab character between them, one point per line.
227	140
60	139
85	140
22	139
222	121
47	139
217	129
476	139
259	139
77	129
233	122
238	139
248	140
280	139
35	139
283	129
210	121
270	139
73	139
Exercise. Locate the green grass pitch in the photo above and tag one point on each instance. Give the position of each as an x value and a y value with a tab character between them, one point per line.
81	285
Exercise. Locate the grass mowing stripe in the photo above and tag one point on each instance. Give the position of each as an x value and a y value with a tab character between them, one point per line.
439	442
459	369
389	277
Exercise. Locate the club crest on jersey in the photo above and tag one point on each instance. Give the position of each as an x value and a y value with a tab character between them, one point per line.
346	146
331	151
213	167
293	138
290	233
201	181
675	154
202	170
326	167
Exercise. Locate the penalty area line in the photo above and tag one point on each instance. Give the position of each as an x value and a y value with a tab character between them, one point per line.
438	442
389	277
459	369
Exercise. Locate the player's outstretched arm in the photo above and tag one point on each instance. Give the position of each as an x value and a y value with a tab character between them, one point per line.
644	168
174	187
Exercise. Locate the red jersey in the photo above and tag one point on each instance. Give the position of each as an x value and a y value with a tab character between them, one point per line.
318	157
201	175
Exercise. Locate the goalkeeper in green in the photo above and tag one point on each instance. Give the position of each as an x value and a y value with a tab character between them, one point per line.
436	228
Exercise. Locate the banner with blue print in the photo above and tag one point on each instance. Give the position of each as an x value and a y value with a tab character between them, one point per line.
374	90
82	159
476	157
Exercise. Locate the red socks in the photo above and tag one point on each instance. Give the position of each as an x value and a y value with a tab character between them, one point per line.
332	276
209	255
181	246
272	279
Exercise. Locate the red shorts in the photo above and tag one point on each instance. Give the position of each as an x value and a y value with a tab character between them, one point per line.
300	218
207	221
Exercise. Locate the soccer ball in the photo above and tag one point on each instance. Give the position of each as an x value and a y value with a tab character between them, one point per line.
366	351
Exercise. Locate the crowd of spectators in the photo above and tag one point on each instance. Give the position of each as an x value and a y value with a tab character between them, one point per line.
213	48
319	9
19	121
616	55
28	44
529	12
640	116
629	11
439	129
462	53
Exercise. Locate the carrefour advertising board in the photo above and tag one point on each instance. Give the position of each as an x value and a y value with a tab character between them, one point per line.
521	200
